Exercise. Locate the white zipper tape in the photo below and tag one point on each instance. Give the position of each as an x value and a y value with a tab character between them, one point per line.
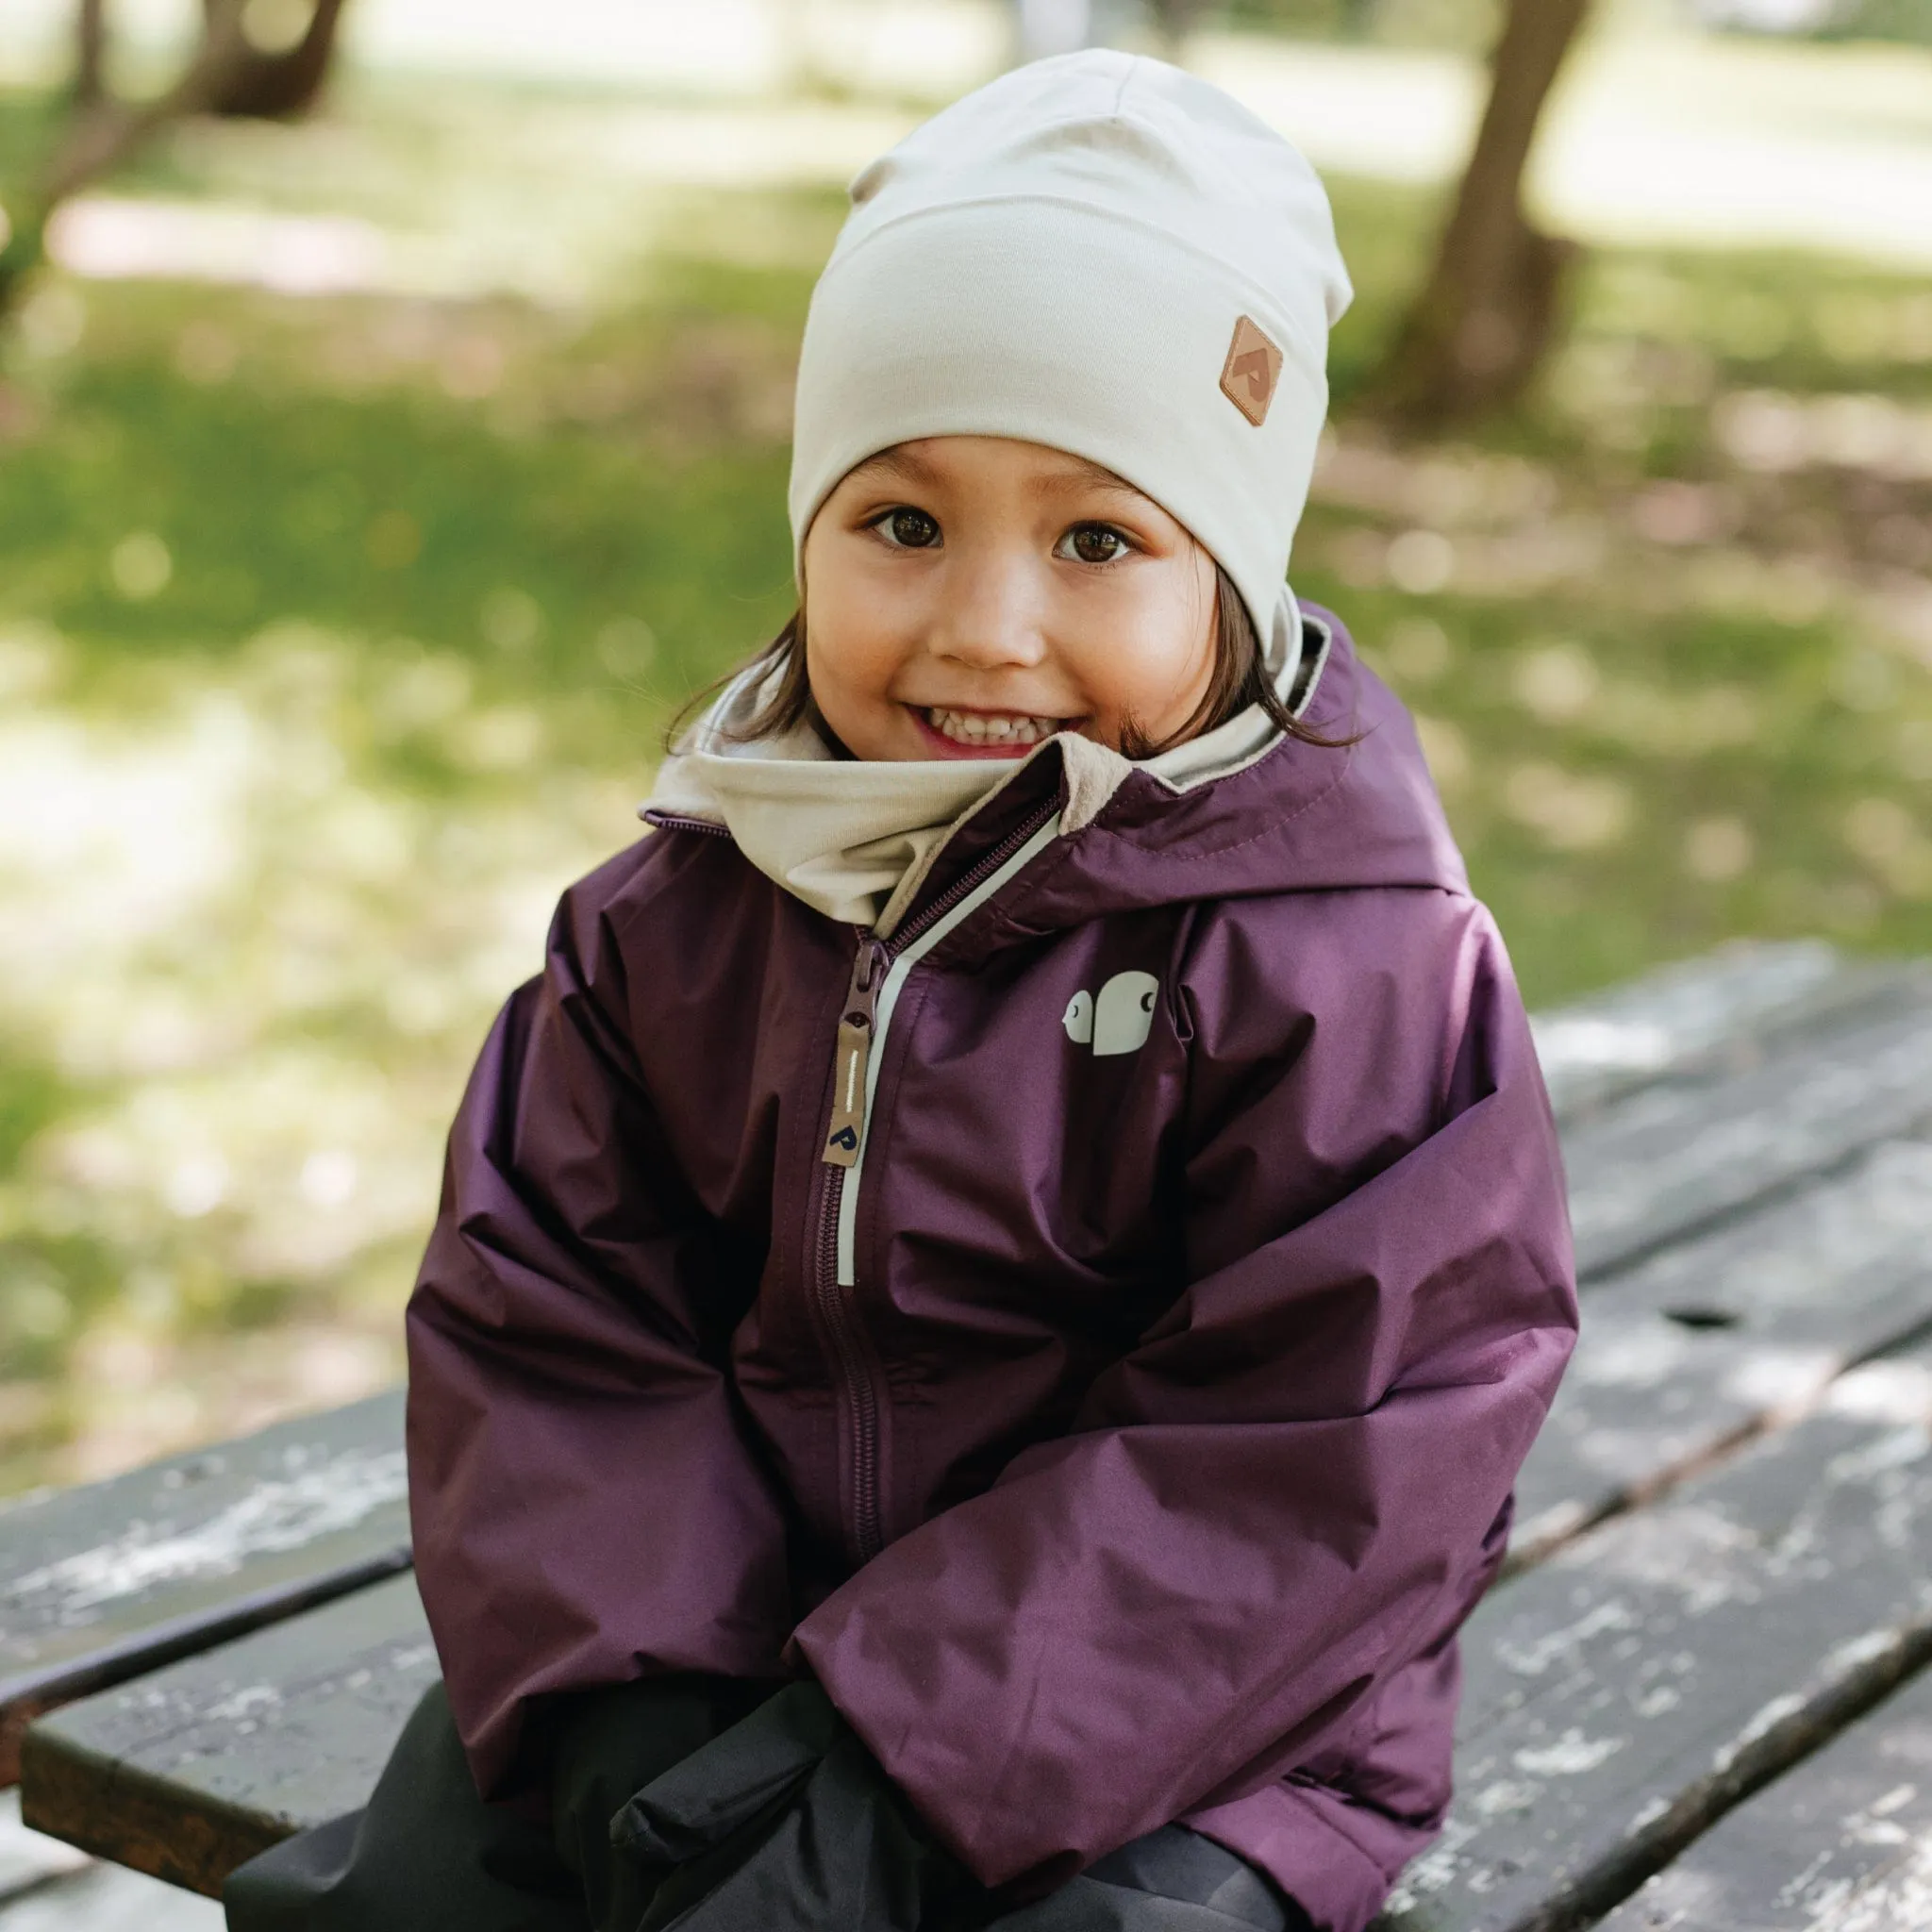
882	1019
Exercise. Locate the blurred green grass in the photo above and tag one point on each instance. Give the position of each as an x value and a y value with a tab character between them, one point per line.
337	632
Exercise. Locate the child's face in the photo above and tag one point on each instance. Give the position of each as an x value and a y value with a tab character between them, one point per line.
970	595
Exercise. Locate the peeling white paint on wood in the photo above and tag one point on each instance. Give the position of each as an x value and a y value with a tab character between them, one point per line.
1897	1391
1568	1757
1842	1843
1531	1660
92	1579
272	1516
1621	1694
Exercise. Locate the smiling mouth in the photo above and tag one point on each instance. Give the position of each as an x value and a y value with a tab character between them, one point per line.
987	730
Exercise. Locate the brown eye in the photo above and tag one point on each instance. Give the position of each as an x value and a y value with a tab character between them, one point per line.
1093	544
908	529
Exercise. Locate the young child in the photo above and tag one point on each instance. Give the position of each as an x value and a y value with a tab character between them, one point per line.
989	1302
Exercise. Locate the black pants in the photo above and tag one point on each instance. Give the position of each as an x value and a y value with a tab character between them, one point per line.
428	1855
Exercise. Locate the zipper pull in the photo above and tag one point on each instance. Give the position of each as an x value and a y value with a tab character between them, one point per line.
852	1055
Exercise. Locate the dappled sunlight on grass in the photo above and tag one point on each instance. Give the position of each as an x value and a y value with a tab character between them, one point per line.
336	636
1670	629
247	961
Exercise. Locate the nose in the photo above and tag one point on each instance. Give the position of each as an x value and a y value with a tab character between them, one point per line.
991	615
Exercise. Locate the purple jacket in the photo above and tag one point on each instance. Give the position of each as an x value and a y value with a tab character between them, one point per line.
1120	1437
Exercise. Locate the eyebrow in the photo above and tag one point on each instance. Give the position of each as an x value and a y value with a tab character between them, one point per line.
1087	475
899	461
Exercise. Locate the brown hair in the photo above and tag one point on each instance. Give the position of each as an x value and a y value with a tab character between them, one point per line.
1239	679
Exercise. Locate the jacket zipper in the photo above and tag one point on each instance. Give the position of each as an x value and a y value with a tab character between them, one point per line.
878	971
677	821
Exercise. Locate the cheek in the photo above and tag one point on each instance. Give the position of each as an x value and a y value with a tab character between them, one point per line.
856	634
1148	654
856	642
852	652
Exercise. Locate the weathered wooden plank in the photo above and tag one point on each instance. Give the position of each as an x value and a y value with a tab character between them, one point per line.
189	1772
1630	1690
1718	1007
1842	1843
1687	1151
101	1582
1729	1333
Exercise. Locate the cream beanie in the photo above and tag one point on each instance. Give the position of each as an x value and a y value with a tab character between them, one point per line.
1105	255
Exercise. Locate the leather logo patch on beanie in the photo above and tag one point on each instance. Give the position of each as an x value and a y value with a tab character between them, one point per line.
1250	371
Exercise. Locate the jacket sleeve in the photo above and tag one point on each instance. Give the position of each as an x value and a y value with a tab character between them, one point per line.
1274	1504
571	1321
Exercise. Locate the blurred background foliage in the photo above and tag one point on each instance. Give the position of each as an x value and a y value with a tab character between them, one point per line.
374	487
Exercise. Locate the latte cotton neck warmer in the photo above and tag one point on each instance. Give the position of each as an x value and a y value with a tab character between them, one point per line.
1107	256
854	839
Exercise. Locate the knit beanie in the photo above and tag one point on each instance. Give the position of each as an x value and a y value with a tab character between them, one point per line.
1105	255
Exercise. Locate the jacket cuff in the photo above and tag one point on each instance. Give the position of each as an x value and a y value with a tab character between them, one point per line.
1335	1857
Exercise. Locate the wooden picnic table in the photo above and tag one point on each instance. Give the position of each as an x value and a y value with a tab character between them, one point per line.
1691	1702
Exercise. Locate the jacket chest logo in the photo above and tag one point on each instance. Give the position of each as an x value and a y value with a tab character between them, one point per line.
1119	1020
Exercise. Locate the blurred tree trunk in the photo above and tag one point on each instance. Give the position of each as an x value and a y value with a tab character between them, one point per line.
89	52
102	133
278	84
1479	330
1174	20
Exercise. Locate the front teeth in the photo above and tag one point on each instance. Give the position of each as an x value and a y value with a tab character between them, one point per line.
976	727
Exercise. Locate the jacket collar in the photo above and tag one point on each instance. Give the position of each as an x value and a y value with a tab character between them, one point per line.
1239	811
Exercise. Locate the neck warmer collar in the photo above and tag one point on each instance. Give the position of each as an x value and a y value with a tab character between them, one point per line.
854	837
